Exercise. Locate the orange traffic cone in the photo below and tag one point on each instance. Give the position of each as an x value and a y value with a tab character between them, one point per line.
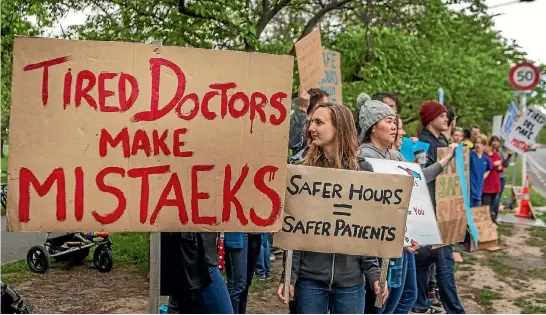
524	208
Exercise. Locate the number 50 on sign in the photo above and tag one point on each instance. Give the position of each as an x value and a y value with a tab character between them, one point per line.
524	76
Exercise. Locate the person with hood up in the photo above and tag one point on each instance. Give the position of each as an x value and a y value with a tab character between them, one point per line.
381	129
325	282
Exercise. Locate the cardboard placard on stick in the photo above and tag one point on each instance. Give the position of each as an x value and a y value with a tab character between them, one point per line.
331	81
310	62
114	136
487	232
348	212
450	209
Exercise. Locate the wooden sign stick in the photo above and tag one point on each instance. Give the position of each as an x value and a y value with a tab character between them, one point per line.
382	282
288	274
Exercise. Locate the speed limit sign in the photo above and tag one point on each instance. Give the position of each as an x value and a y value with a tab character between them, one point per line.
524	76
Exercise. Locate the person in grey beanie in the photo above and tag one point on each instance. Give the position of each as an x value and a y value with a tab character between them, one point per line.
378	132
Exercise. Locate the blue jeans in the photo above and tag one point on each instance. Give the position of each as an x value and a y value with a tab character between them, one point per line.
475	202
396	293
402	299
215	296
445	276
263	267
409	295
496	202
317	298
240	266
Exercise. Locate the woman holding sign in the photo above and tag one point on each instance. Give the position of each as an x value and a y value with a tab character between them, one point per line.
322	281
381	129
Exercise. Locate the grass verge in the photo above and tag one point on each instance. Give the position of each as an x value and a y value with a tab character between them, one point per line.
537	200
128	248
528	307
484	297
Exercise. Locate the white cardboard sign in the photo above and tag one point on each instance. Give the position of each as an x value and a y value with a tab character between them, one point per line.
523	134
421	224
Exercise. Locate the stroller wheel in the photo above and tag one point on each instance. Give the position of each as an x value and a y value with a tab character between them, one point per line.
38	259
4	199
103	259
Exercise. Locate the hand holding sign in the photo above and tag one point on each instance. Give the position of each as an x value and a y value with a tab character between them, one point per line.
281	293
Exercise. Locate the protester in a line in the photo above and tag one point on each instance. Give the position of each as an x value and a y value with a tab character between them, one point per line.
496	146
189	275
479	170
445	136
445	140
323	281
381	129
457	135
307	102
216	298
491	184
434	121
263	268
242	251
306	105
387	98
468	139
475	130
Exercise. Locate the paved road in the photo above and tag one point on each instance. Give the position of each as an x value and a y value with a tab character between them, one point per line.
15	245
536	167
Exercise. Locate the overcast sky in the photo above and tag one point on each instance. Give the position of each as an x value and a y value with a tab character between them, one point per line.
524	22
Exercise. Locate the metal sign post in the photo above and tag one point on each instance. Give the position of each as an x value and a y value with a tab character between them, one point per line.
155	258
523	105
524	77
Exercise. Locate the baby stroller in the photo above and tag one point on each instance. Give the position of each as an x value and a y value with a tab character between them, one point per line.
72	247
12	302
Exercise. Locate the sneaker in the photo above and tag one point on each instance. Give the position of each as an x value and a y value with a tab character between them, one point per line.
433	298
427	311
264	277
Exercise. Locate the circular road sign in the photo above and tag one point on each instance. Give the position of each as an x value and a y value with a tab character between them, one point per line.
524	76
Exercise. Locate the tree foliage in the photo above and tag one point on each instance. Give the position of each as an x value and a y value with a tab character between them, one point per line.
14	17
407	47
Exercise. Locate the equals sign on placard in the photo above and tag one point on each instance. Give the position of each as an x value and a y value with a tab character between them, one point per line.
342	206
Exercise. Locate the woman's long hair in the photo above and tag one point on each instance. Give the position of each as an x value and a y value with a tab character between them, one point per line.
345	140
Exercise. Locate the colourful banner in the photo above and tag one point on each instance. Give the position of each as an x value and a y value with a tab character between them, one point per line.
462	180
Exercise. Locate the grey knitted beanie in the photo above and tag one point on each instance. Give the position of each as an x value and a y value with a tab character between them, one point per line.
371	112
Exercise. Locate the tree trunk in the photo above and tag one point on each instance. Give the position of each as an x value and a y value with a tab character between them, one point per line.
1	148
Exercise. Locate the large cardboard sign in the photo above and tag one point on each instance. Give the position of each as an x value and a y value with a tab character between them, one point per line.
113	136
348	212
523	134
310	63
421	224
331	81
451	212
487	230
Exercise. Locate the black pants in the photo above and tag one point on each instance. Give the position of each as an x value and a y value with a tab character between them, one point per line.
489	200
189	303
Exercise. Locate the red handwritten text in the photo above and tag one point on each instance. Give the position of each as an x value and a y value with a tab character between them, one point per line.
186	105
233	181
